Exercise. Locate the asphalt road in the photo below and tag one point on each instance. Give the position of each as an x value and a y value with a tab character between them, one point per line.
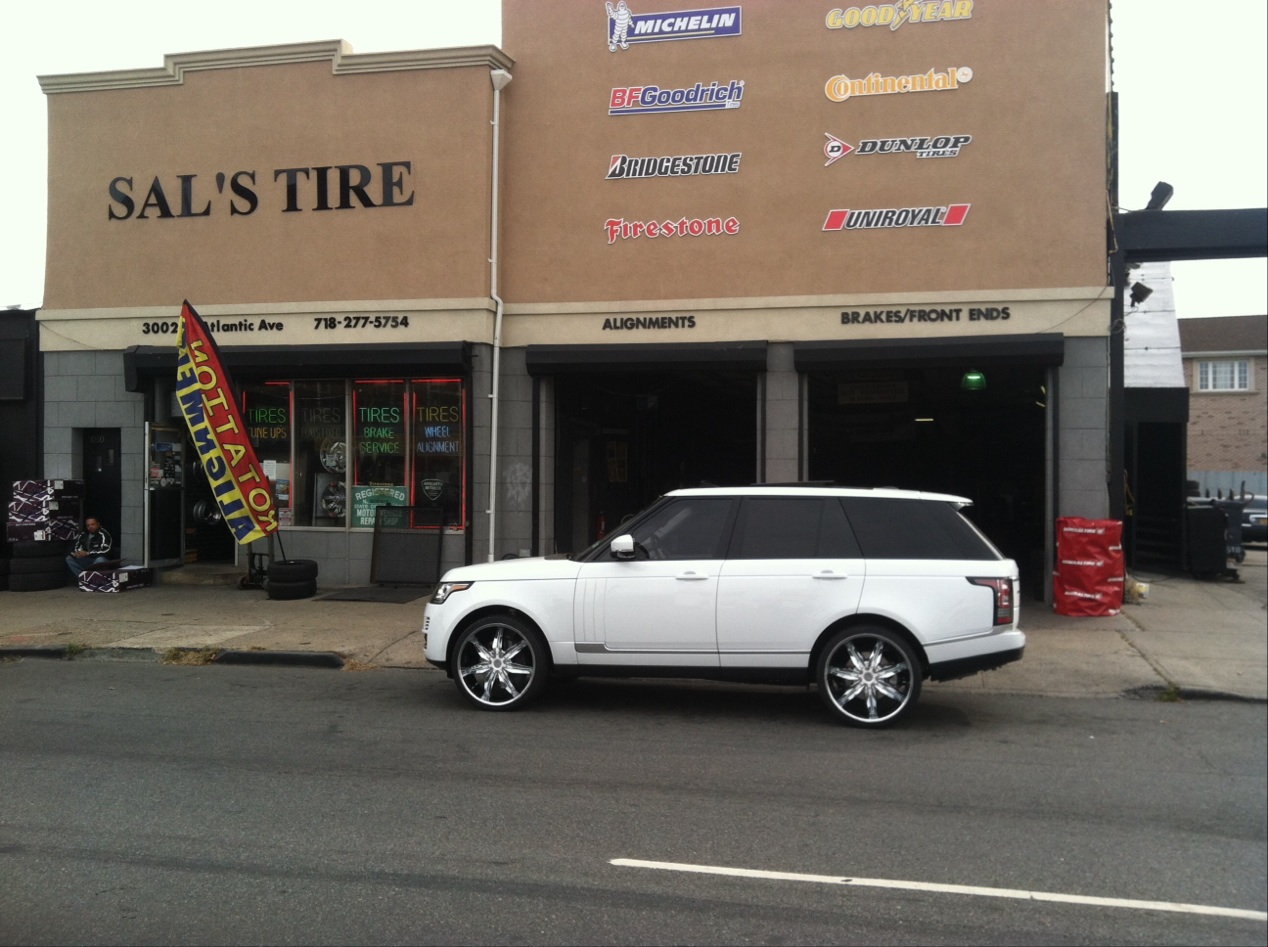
142	803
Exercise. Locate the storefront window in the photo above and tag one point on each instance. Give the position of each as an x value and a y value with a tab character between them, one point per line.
321	454
439	419
403	439
379	439
266	408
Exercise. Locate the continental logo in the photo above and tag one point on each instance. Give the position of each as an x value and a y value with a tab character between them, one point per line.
931	146
623	167
881	218
895	15
840	88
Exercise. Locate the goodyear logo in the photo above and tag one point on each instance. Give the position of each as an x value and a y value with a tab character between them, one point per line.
840	88
626	28
650	100
895	15
948	215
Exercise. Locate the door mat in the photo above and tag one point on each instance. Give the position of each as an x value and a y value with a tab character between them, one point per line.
379	593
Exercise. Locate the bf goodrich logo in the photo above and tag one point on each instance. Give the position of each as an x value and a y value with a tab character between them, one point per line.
627	28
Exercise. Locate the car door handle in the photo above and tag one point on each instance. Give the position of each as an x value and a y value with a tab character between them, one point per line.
826	574
690	576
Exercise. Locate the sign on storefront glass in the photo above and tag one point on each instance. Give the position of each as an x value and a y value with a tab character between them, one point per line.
335	450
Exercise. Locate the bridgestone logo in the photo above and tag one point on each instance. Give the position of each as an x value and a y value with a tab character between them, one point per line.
623	167
950	215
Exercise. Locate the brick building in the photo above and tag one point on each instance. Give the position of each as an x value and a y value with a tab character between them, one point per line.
1226	370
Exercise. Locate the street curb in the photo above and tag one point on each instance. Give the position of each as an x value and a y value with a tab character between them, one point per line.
317	659
58	651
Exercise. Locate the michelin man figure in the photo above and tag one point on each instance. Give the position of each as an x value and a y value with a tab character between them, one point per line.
620	16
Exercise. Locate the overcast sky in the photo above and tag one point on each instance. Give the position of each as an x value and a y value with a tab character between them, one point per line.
1190	78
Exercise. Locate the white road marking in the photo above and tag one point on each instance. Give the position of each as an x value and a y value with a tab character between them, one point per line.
1016	894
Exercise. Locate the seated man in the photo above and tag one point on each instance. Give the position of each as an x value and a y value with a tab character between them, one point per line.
92	546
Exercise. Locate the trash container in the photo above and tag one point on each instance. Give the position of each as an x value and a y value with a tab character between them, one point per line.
1206	552
1233	509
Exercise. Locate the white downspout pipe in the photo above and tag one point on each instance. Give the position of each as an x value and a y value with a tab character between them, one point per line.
499	78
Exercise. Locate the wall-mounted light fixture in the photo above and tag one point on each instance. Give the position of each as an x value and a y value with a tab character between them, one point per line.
1161	194
1140	292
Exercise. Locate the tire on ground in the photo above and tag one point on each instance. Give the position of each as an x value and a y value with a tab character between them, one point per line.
38	564
292	570
38	581
34	548
282	591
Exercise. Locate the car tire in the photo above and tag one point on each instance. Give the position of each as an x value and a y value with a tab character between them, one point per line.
38	581
38	564
500	663
34	548
289	591
868	676
292	570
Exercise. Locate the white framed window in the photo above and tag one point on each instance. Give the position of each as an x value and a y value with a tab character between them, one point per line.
1225	375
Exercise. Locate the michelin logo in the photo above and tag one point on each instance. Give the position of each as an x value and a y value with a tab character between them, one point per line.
625	27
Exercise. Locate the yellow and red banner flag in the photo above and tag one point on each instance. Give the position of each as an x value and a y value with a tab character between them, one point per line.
205	393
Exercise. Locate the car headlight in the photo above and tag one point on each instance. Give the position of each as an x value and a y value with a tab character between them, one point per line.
446	589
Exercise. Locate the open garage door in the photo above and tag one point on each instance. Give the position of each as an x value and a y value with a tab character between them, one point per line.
953	417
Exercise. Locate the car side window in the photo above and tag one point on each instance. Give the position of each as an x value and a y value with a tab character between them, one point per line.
792	528
689	528
893	528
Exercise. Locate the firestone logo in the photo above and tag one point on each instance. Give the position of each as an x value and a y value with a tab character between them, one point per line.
933	146
619	228
895	15
625	27
948	215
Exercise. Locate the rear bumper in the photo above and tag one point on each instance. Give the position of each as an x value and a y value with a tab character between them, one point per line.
968	666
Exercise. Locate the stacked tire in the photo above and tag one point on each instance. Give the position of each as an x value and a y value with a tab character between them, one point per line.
38	565
291	579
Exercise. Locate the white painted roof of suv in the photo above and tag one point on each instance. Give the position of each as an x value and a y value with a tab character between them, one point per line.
794	490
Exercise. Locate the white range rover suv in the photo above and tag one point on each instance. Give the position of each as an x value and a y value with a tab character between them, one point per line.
863	593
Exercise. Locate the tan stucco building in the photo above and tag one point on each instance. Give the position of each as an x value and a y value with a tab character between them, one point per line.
767	241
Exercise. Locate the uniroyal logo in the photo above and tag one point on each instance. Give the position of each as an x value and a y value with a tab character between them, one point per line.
623	167
840	88
626	28
895	15
621	229
949	215
651	99
937	146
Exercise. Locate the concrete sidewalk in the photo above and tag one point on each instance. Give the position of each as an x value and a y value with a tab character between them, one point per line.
1191	637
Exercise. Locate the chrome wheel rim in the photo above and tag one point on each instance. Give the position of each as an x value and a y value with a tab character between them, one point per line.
869	679
496	665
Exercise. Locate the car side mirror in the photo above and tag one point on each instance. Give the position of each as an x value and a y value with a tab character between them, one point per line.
622	547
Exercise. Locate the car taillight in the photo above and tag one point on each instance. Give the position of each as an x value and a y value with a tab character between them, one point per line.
1003	589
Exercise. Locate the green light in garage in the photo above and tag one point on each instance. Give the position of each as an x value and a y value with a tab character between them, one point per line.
973	381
